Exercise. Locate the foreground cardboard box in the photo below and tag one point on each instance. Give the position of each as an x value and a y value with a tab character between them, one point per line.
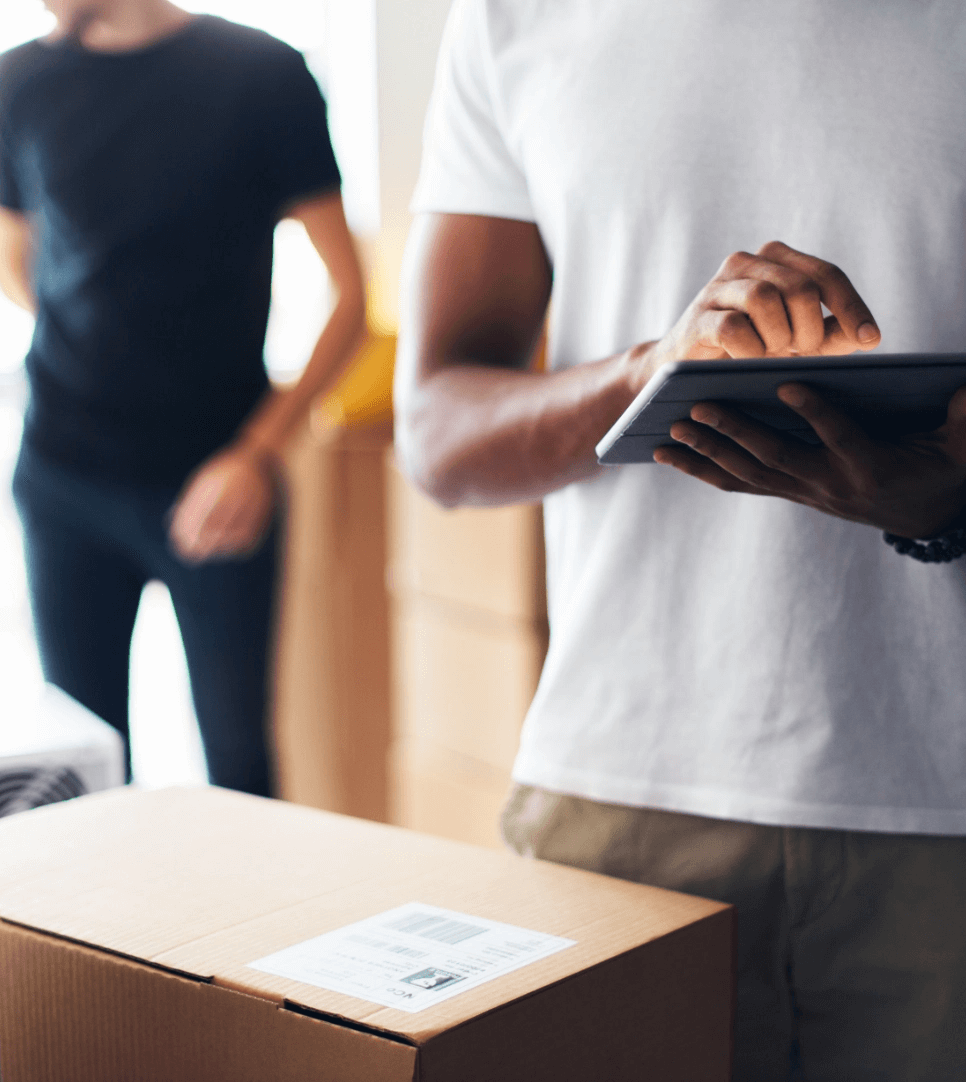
128	922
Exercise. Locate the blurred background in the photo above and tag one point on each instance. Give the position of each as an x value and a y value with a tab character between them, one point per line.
166	747
409	639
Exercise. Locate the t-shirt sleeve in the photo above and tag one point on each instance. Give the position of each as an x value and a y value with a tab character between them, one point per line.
11	195
300	160
467	166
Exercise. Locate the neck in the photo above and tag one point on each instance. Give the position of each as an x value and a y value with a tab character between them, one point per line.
116	26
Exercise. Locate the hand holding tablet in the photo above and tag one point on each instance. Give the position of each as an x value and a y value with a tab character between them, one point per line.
751	392
888	395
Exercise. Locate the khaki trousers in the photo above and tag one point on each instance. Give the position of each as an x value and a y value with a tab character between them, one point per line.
851	945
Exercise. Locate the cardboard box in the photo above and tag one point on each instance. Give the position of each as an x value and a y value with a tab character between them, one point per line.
332	688
485	558
436	791
129	922
463	680
468	635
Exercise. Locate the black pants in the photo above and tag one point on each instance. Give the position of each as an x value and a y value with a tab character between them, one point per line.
91	546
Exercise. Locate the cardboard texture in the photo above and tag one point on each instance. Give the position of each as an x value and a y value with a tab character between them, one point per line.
332	687
438	792
468	634
463	679
128	920
487	559
462	682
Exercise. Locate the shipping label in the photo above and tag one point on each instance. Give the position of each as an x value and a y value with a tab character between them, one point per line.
411	957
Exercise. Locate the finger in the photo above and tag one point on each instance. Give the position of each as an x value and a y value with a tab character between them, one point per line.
840	434
780	453
210	545
200	524
701	468
761	301
244	530
956	410
729	333
954	429
239	523
185	528
801	316
199	501
734	460
836	343
838	294
187	547
226	535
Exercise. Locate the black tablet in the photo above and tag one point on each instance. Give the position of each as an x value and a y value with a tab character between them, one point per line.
888	394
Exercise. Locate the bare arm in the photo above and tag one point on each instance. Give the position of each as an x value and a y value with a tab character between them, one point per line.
272	424
226	506
16	254
473	424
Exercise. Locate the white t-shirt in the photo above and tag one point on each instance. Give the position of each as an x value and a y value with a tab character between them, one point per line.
720	654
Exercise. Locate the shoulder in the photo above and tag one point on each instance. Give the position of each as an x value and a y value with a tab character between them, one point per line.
20	67
479	32
498	22
17	65
246	45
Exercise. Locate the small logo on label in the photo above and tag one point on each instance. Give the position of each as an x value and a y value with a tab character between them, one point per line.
431	979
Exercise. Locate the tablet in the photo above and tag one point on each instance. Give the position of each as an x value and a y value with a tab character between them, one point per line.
888	394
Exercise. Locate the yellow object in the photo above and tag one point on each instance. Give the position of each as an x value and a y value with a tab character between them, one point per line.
364	394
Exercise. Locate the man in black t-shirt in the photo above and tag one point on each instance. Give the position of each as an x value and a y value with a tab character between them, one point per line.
146	156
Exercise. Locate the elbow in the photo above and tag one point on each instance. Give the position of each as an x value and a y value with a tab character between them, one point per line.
421	452
440	485
353	306
359	309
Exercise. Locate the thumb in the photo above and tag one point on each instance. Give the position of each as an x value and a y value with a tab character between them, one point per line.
956	411
955	426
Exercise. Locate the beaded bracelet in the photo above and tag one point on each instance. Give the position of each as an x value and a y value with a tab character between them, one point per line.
940	550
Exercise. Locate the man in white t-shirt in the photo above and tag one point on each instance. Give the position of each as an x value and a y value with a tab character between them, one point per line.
747	694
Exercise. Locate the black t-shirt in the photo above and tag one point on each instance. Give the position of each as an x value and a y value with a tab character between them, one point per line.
155	179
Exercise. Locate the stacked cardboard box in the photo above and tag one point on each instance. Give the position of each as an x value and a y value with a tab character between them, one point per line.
468	633
332	689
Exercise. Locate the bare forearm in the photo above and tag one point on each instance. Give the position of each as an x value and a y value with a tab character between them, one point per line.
481	435
16	253
272	423
17	288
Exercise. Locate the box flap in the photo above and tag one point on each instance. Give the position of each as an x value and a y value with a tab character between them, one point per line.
206	881
140	873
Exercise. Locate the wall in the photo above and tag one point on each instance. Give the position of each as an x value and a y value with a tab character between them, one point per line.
407	41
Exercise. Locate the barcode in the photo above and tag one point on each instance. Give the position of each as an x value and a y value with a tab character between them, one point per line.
442	929
382	944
